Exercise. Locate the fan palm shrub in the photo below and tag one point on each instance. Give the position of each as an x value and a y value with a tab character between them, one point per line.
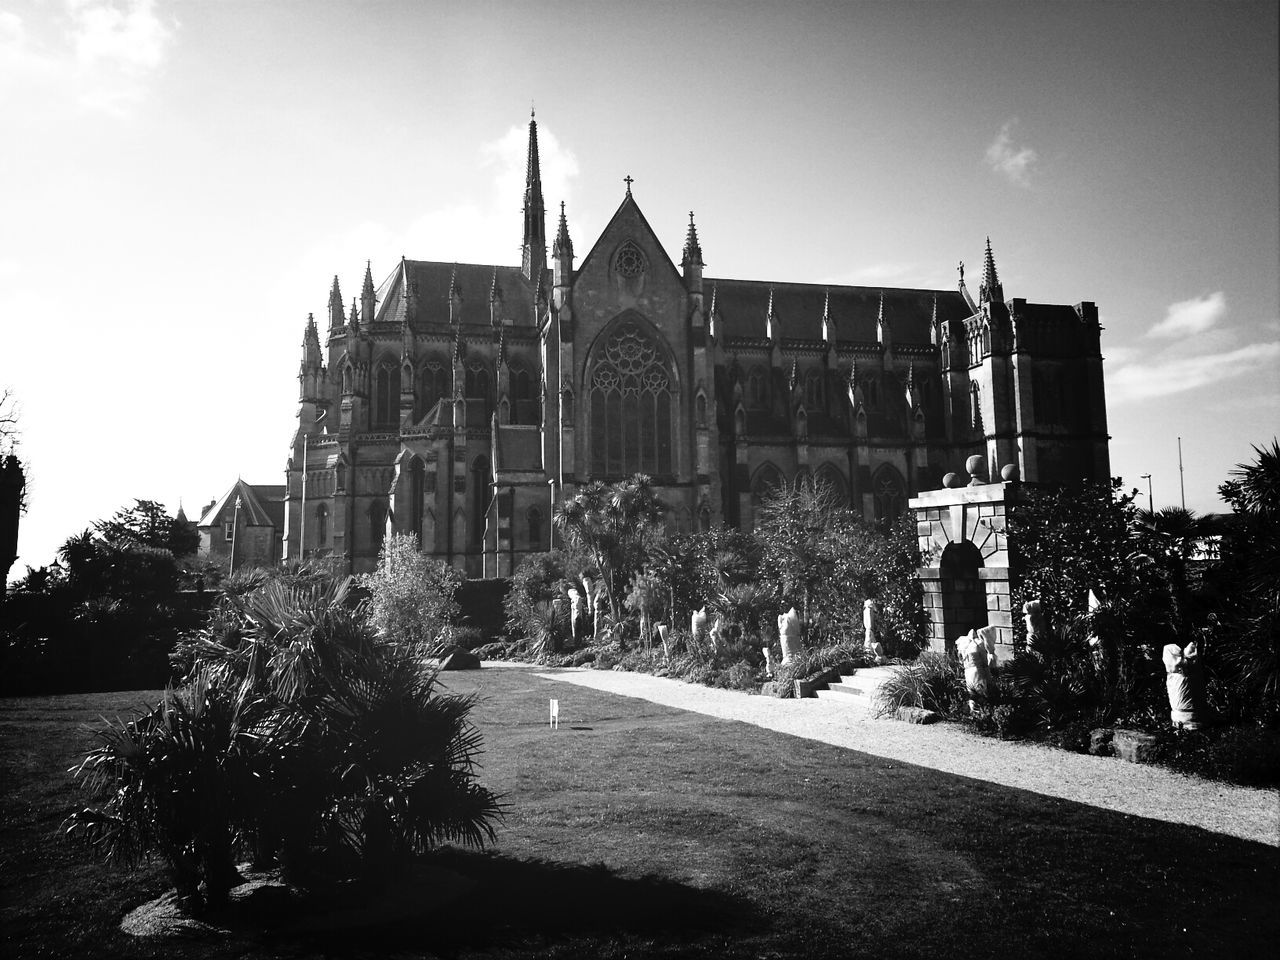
302	737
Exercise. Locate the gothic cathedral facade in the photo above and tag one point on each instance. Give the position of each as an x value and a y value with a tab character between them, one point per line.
463	402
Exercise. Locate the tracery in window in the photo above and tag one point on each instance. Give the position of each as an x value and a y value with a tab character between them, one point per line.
889	492
629	261
433	385
757	389
813	393
631	405
386	399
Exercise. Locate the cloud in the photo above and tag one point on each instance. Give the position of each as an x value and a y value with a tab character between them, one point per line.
102	54
1011	160
1165	376
904	275
1187	317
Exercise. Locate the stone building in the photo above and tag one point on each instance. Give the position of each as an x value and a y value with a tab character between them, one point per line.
463	401
247	521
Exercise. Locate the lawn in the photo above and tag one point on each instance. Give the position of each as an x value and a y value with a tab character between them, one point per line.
638	830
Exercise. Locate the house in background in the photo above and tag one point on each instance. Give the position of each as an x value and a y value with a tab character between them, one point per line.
248	522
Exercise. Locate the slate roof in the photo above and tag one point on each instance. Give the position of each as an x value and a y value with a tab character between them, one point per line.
430	285
261	505
742	305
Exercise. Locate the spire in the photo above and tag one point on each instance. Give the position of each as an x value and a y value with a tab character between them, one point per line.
991	288
935	335
534	247
711	314
791	382
770	322
563	247
495	292
883	331
692	249
336	318
368	299
828	328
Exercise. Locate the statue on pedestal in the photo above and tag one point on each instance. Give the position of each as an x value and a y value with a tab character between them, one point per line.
575	612
870	627
1183	666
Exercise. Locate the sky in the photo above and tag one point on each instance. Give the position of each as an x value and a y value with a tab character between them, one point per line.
180	181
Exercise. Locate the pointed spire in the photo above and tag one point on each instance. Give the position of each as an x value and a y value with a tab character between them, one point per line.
563	247
692	249
884	332
711	314
991	288
770	322
495	292
791	382
828	328
534	247
354	312
336	317
368	299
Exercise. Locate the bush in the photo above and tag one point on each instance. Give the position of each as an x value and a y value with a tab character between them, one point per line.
1245	755
411	596
302	737
935	681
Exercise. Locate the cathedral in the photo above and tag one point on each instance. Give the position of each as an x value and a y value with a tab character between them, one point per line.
462	402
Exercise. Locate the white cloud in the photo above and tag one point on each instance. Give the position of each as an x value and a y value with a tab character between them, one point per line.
102	54
1012	160
1187	317
1164	376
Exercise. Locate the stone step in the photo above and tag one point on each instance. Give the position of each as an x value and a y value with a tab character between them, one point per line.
858	688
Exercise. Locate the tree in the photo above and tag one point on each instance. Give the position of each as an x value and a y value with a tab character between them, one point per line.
411	595
612	525
148	524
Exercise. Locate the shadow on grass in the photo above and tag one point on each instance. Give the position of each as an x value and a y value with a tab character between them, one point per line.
517	902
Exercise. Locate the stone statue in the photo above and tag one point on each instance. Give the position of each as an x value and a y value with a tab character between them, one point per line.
769	663
663	629
717	631
1182	665
575	612
698	623
870	626
591	590
974	654
789	635
1033	614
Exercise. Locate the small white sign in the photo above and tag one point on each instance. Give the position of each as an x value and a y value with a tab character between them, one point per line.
555	715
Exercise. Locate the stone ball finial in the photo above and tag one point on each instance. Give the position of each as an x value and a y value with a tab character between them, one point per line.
976	467
1009	472
952	480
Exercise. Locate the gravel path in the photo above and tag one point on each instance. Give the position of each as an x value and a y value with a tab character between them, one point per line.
1130	788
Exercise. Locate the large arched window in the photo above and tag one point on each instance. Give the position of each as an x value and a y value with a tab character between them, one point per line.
482	495
813	392
889	492
757	389
830	477
632	402
768	480
386	398
433	385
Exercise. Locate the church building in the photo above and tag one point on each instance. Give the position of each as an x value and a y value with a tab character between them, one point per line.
462	402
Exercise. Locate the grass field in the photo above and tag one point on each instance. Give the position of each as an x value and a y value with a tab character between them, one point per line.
638	830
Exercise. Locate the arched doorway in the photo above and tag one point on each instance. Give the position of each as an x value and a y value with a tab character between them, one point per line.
964	601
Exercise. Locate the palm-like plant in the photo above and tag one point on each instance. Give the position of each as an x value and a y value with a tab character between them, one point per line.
612	525
300	730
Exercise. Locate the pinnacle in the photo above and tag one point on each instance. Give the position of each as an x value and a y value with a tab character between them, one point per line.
692	249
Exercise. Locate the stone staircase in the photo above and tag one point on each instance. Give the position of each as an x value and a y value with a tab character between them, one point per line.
858	688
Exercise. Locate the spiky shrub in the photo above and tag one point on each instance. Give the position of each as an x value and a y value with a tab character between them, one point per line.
302	737
934	681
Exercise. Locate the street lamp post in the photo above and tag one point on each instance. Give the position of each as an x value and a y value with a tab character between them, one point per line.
235	534
1150	505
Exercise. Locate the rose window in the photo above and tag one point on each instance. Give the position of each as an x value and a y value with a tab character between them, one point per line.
629	262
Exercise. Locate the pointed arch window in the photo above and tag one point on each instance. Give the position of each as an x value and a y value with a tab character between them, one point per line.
433	385
522	397
757	389
476	386
889	492
814	395
482	495
386	398
768	480
632	405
